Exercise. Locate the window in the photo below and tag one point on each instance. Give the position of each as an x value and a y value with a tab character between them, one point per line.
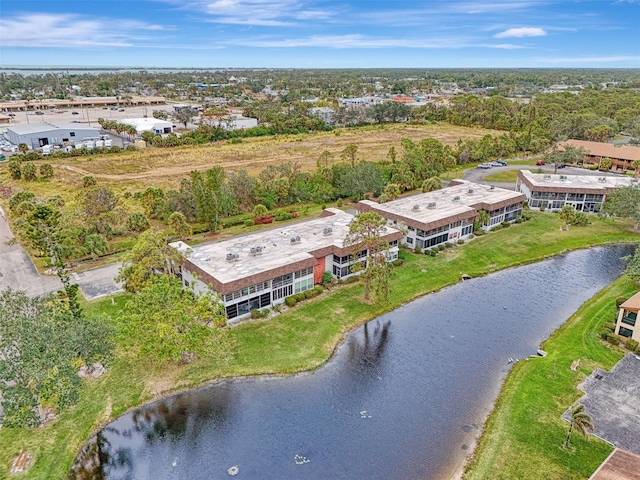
467	230
186	284
283	280
630	318
625	332
393	244
304	272
282	292
410	240
303	285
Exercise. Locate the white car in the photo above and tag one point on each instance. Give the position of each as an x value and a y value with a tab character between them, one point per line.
484	165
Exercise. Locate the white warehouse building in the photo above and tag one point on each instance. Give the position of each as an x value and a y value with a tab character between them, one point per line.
154	125
47	133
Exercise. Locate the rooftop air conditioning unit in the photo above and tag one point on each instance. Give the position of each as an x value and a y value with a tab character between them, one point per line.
470	191
563	177
547	177
456	198
602	179
415	208
327	231
295	239
431	205
232	257
634	180
492	187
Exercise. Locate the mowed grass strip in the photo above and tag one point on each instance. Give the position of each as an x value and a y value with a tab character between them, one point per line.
300	339
524	435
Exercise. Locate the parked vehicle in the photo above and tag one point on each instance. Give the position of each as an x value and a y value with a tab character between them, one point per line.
484	165
496	164
39	112
540	162
562	165
501	162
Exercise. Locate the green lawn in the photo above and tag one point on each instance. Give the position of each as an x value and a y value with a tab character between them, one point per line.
502	176
300	339
524	435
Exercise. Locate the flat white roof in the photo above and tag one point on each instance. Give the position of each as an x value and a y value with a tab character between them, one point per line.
277	248
41	127
595	182
449	202
146	123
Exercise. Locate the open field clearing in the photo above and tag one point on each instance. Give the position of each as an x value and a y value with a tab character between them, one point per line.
165	167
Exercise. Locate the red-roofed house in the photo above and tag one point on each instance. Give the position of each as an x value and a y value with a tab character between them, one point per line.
622	156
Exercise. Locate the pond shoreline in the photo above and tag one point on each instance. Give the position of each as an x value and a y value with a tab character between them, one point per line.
489	407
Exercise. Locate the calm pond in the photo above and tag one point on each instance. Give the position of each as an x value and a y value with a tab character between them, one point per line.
404	397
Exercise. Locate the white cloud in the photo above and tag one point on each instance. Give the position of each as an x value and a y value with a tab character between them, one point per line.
68	30
275	13
521	32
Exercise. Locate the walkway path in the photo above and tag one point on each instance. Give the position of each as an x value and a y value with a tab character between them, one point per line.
18	272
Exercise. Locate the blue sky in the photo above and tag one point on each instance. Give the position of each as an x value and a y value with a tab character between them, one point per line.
322	33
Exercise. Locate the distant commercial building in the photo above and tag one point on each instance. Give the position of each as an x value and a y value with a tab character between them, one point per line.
48	133
359	101
326	114
234	122
628	319
622	156
80	102
447	215
261	269
585	193
154	125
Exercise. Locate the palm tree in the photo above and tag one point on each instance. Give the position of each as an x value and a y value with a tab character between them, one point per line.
636	165
483	217
580	421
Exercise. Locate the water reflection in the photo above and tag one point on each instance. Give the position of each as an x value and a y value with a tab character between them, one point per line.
425	375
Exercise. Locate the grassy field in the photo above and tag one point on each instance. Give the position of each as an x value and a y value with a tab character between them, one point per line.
302	338
524	435
132	171
503	176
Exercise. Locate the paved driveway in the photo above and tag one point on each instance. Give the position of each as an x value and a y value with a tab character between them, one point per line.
18	272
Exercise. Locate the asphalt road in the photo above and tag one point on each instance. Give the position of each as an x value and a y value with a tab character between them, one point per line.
18	272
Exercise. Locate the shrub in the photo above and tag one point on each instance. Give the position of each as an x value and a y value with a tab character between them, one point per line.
609	326
506	224
433	252
612	338
417	249
255	313
281	215
299	297
496	228
620	301
318	289
88	181
580	219
440	247
290	301
326	278
339	203
46	170
526	215
249	222
397	262
542	208
137	222
352	279
448	245
519	220
631	345
309	293
20	197
479	233
461	242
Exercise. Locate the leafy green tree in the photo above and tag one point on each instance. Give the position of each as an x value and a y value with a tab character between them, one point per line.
160	114
633	266
623	202
95	245
148	136
392	191
29	172
179	225
184	116
431	184
260	211
356	182
137	222
167	323
154	203
46	170
605	164
23	147
365	233
148	258
98	204
482	218
15	168
207	193
580	421
349	153
42	344
241	188
567	214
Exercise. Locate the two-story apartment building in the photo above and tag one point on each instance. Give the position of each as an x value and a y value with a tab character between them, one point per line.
627	324
585	193
447	215
261	269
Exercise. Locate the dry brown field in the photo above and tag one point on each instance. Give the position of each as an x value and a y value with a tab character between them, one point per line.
165	167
